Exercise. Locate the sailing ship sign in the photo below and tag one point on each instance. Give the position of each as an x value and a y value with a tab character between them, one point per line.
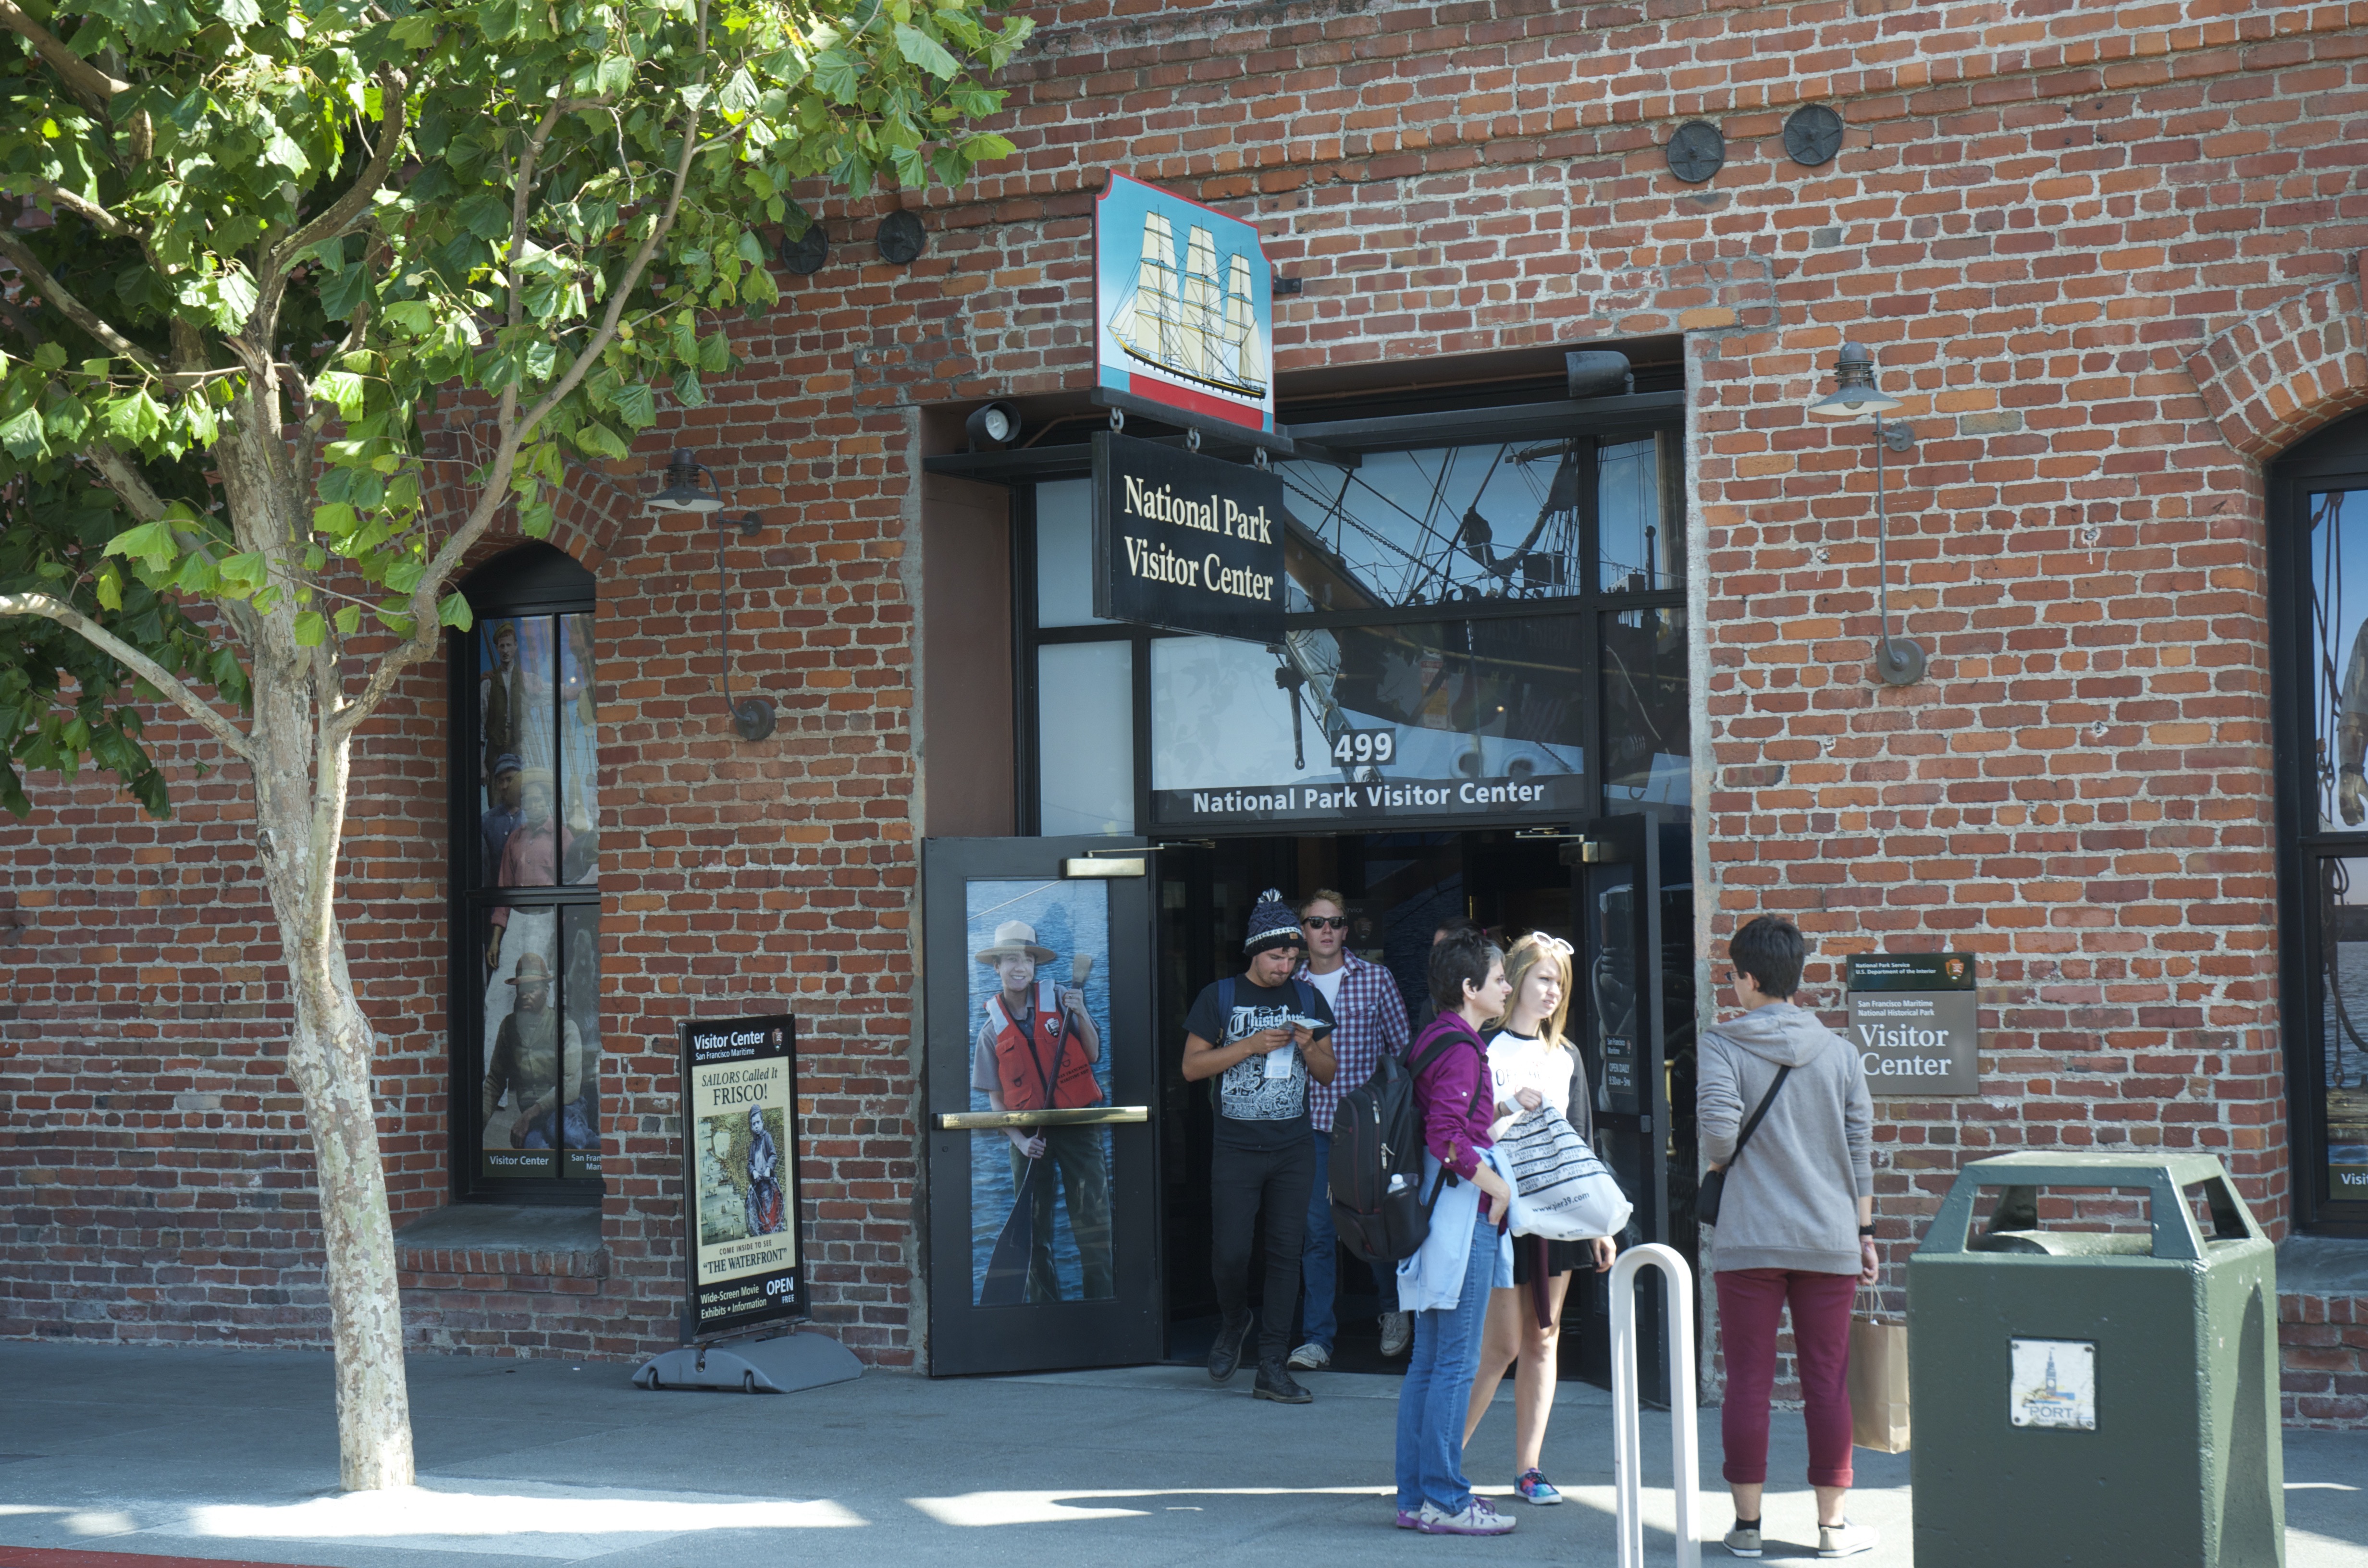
1184	305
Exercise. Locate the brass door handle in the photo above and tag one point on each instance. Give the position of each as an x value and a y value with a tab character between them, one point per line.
1082	1115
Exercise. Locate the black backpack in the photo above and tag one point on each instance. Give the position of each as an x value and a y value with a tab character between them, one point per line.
1376	1136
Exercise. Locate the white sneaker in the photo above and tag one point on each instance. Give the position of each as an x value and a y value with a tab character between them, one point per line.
1477	1518
1742	1542
1845	1539
1397	1334
1310	1358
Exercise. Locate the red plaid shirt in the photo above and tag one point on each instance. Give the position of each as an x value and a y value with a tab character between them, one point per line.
1370	1018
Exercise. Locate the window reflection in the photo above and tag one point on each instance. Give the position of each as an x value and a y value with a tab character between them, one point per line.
1639	534
1085	729
2339	535
1646	735
1441	525
1443	702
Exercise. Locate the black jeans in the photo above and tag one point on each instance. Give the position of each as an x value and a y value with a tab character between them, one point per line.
1244	1184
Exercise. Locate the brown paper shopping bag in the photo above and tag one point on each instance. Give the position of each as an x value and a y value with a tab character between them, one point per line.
1878	1380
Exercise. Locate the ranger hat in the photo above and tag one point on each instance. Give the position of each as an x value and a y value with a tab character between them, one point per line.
1012	938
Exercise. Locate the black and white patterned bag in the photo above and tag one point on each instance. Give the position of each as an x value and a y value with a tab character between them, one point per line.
1565	1193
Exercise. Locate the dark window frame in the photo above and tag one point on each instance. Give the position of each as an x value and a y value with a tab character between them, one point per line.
1592	606
530	580
2334	459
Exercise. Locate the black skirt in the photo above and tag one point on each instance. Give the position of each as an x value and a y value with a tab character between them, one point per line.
1559	1258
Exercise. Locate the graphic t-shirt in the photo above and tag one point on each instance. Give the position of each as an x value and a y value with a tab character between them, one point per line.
1258	1108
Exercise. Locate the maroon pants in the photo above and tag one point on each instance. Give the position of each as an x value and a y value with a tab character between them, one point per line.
1750	1300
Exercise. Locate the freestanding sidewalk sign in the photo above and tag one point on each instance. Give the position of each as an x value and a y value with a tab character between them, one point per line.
743	1245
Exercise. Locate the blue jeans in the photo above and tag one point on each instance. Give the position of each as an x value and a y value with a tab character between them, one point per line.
1317	1252
1437	1386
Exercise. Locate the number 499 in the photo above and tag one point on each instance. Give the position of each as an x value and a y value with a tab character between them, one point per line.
1364	745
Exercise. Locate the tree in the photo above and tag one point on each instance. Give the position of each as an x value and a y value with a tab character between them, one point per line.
264	250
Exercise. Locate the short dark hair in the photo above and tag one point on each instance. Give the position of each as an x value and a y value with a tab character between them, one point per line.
1770	949
1464	956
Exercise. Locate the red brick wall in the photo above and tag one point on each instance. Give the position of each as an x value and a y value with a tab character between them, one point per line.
2050	220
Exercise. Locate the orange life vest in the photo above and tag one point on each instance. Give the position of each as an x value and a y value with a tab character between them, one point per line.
1024	1065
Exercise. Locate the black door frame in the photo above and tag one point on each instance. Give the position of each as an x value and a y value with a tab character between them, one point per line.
1127	1329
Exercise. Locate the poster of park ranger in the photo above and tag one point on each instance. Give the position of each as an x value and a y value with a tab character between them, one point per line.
739	1078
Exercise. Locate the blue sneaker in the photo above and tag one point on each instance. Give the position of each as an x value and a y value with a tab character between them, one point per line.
1535	1488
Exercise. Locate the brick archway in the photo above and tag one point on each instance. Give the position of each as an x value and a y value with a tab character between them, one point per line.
2274	378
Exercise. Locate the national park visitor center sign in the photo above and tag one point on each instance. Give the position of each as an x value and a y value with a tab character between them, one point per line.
1184	542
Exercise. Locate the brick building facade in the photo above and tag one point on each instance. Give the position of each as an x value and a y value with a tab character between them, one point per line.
2110	259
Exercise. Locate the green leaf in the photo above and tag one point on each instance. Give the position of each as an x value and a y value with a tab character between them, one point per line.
153	544
348	620
926	52
25	436
636	405
310	631
453	610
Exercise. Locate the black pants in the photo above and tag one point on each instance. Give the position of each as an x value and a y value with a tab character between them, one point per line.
1243	1185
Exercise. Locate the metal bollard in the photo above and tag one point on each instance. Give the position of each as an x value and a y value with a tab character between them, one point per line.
1627	1432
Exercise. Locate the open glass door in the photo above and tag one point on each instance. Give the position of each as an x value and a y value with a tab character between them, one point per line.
1620	900
1041	1179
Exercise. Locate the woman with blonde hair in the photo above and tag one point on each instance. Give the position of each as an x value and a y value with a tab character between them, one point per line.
1531	1066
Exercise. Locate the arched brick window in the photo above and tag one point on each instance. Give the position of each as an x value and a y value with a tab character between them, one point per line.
2319	542
526	893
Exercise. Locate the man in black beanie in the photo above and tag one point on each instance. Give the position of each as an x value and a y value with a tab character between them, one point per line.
1261	1035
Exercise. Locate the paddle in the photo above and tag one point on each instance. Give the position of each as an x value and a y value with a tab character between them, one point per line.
1006	1284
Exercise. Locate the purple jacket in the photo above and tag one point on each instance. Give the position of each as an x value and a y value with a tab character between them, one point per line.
1455	1117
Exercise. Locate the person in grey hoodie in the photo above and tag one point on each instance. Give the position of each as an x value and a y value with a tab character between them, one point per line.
1795	1223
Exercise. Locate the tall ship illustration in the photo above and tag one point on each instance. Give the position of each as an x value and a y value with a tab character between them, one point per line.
1186	322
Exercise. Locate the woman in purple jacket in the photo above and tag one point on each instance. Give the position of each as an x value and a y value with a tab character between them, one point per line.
1467	982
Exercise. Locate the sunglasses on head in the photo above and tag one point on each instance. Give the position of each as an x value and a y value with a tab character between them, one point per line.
1326	922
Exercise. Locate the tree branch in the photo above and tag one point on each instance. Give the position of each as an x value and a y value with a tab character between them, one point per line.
81	207
30	269
140	664
341	214
88	83
496	493
123	477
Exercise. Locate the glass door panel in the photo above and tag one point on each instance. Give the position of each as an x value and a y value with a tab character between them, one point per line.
1043	1189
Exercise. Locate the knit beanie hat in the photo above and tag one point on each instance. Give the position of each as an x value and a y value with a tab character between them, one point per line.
1273	924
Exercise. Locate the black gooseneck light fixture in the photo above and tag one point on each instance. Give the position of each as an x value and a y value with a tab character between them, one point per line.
1899	661
752	716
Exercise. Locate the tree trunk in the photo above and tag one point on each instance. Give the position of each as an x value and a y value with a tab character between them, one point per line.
300	799
329	1056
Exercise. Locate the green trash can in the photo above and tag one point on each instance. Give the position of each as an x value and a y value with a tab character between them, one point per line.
2095	1398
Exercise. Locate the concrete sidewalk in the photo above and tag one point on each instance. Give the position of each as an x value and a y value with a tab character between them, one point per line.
232	1454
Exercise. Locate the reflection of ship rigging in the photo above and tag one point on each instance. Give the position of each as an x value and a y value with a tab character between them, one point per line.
1368	533
1182	321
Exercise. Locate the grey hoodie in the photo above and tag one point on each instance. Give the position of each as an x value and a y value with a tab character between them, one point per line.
1790	1199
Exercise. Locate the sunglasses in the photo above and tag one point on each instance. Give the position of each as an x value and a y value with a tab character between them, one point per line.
1326	922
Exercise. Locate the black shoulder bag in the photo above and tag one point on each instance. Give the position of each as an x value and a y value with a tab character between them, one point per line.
1714	1186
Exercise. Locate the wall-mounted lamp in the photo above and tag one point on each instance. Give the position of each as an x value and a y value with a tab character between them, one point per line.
752	716
1596	372
992	427
1899	661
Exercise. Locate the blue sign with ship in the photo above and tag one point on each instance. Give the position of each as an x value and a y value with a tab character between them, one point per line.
1183	305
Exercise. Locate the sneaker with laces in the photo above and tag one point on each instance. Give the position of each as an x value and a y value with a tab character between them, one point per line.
1397	1334
1311	1357
1477	1518
1534	1487
1743	1542
1845	1539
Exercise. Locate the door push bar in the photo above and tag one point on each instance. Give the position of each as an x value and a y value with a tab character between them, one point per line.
1685	1465
1080	1116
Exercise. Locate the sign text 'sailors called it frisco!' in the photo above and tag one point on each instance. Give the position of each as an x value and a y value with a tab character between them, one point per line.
1186	543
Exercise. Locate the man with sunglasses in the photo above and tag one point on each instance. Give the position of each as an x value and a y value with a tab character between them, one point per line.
1371	1019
